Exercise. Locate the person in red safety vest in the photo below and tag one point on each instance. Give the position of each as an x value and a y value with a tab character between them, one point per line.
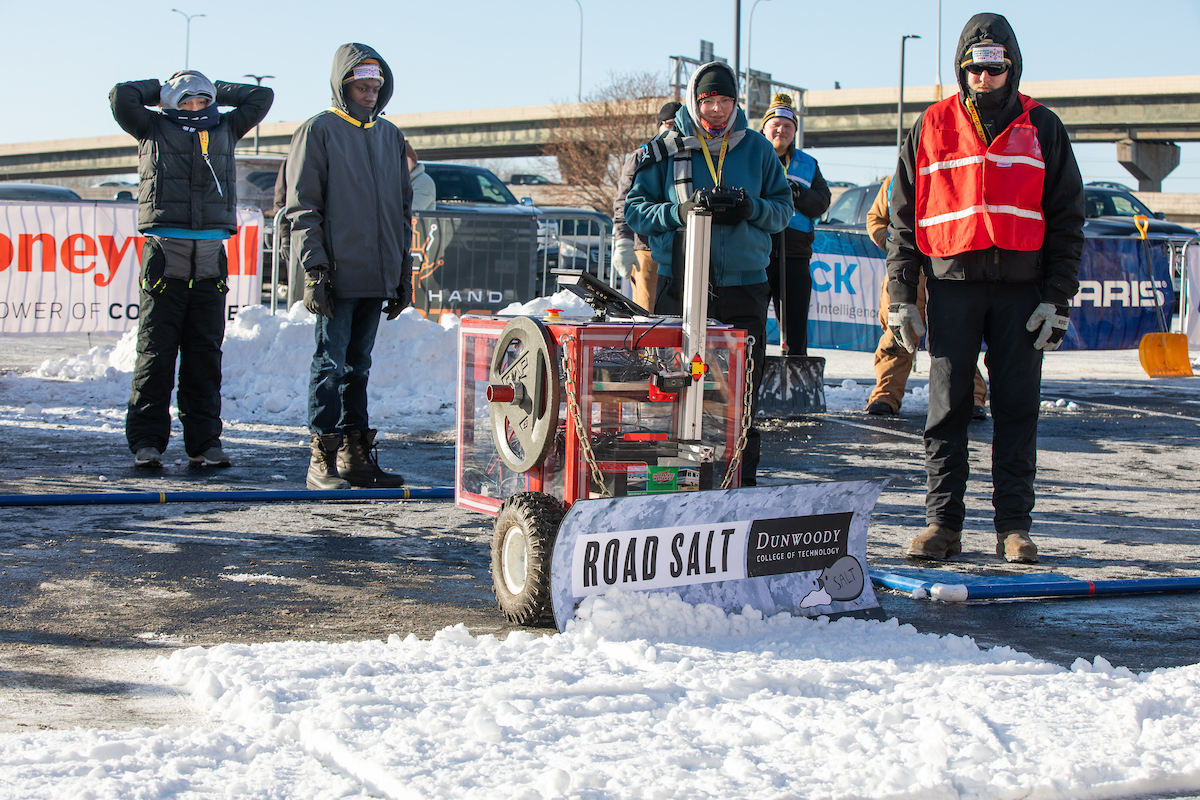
988	200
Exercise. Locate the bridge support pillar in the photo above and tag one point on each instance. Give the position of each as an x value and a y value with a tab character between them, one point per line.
1149	162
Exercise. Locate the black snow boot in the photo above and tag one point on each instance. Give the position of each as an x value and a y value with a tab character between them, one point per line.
322	466
358	462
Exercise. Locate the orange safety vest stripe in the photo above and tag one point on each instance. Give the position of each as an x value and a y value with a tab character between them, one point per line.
971	196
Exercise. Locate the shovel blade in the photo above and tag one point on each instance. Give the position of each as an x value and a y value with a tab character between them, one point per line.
1165	355
792	386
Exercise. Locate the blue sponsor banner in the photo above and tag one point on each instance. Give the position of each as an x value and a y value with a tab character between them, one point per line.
1113	310
847	272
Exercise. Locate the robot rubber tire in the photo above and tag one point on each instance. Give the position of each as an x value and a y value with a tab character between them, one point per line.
522	545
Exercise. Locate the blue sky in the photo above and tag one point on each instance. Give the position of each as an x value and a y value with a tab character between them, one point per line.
59	60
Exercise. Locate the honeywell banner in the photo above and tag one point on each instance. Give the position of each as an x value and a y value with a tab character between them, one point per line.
73	267
800	549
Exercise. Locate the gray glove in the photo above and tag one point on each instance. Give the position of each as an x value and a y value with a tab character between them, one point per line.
624	260
905	323
683	209
318	293
1053	321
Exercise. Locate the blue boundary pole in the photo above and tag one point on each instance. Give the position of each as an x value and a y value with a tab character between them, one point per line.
232	496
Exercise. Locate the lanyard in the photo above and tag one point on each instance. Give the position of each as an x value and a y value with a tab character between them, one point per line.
715	171
204	152
975	119
350	119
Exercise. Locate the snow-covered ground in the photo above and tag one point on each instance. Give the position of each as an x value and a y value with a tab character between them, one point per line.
642	697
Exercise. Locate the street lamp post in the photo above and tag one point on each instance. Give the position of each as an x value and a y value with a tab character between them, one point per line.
579	90
749	52
737	40
900	104
258	79
187	47
939	53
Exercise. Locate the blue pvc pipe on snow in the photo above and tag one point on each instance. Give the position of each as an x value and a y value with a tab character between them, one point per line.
1059	587
233	496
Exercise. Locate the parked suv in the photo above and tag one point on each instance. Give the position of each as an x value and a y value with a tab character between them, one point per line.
849	211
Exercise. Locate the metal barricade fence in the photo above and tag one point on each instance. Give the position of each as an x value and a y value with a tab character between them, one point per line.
567	239
274	258
574	239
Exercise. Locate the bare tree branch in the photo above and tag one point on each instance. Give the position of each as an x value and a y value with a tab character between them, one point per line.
592	138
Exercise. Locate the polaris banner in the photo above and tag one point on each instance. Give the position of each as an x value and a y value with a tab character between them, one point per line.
1114	308
73	267
795	548
1120	294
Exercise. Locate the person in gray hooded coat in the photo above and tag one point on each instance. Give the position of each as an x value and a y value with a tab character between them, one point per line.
349	202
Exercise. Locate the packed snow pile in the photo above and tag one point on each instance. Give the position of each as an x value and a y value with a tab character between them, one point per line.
643	696
266	365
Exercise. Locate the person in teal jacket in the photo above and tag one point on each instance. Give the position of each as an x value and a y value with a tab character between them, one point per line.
710	148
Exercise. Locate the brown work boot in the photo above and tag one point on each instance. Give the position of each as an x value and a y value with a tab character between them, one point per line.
358	462
1016	547
322	466
937	543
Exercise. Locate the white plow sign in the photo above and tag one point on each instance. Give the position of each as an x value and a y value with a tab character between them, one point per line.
73	267
784	548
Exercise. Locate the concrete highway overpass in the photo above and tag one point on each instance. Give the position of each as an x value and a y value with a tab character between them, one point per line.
1146	112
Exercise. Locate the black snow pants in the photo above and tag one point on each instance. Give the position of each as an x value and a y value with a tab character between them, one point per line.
961	316
188	323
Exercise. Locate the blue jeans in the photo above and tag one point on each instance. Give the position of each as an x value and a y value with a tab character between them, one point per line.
337	383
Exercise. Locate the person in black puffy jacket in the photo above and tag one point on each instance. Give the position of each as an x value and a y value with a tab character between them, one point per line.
187	199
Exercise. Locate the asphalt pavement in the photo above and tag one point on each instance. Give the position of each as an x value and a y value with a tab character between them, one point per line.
90	595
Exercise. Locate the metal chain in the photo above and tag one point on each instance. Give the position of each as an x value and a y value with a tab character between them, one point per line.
577	416
747	410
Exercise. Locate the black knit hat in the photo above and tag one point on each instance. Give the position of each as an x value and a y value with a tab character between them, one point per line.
667	112
715	80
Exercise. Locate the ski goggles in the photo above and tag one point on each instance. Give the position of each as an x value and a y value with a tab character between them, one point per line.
990	69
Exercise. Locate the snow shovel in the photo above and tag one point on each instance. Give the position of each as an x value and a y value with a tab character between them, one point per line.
790	385
1165	354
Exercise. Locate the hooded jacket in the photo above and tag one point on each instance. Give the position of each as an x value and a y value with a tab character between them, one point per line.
739	253
349	195
176	189
1056	265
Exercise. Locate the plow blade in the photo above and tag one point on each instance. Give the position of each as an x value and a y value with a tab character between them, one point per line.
795	548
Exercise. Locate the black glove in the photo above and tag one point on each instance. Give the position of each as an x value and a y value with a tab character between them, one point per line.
797	193
318	293
730	206
394	306
683	209
743	206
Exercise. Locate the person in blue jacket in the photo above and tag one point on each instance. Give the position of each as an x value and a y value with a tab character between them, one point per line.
793	247
712	147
